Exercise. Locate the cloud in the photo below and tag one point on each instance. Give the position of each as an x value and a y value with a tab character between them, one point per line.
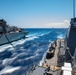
64	24
42	24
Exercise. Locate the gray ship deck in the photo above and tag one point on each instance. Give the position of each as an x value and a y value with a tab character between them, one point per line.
53	61
54	69
41	71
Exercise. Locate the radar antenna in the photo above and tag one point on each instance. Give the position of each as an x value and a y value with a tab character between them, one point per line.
74	8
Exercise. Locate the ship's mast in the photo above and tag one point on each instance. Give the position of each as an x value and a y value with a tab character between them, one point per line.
74	8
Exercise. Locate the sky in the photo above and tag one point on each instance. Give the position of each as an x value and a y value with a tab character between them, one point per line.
37	13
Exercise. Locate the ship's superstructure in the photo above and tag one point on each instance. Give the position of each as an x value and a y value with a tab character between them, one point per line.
5	28
71	40
9	34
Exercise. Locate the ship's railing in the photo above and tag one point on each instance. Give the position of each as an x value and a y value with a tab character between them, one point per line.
72	60
74	63
61	53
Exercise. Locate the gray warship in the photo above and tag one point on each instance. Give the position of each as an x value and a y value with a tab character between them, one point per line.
10	34
60	58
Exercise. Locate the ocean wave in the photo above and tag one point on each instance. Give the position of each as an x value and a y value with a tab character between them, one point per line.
61	36
19	42
31	38
39	33
32	57
31	35
38	50
6	61
9	69
10	47
18	58
4	47
43	59
45	33
9	61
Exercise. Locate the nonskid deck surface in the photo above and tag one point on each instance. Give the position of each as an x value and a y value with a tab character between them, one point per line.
54	69
53	61
41	71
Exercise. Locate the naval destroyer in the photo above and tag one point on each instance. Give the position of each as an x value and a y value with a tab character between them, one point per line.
60	58
10	34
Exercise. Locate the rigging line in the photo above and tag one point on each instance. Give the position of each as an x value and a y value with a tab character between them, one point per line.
69	53
1	35
9	40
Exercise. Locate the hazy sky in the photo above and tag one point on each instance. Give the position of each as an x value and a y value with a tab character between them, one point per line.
37	13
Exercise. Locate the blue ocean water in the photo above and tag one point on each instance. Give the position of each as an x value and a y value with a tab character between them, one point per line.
28	51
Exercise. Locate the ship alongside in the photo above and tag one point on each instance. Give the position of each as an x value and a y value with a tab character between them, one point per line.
10	34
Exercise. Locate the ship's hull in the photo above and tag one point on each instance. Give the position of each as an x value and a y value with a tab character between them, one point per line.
11	37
